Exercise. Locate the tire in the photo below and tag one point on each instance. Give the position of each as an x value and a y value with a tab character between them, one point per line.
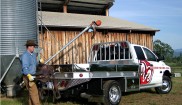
166	86
112	93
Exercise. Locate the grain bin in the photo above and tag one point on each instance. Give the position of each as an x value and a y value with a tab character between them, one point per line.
18	24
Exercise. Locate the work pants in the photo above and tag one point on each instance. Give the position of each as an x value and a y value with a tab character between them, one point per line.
33	92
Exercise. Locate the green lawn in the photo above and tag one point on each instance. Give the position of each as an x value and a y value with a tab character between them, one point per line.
150	97
176	68
144	97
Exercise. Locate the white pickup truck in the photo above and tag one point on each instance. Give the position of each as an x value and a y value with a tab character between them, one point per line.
113	68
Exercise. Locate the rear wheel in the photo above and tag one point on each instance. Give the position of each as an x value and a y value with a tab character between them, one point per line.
112	93
166	86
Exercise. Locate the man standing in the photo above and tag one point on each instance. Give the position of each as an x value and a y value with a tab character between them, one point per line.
29	64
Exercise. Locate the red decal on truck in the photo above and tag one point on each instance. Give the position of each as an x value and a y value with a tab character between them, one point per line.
146	72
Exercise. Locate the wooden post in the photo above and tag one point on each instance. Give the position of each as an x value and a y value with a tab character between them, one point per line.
107	12
106	8
65	8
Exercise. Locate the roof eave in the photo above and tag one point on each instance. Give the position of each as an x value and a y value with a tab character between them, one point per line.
107	28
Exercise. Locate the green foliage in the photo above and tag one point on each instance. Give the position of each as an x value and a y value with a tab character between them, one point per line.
163	49
178	59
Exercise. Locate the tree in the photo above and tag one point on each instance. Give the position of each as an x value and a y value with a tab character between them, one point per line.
163	49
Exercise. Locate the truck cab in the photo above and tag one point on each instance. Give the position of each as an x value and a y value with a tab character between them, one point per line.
152	69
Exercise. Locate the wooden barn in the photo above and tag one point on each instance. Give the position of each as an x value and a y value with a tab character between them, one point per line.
61	20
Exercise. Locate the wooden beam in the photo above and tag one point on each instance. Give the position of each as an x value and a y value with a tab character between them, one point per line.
51	1
102	2
65	8
107	12
66	2
109	5
106	8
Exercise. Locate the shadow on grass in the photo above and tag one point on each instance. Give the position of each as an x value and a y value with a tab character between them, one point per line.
141	91
22	98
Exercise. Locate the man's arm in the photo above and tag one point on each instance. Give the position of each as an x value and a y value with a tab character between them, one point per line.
25	65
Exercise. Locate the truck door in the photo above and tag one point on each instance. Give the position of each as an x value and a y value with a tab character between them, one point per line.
156	72
147	62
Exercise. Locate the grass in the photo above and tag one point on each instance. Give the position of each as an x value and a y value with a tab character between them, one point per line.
174	64
144	97
175	67
149	97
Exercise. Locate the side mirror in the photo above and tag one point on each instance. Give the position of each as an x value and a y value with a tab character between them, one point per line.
161	58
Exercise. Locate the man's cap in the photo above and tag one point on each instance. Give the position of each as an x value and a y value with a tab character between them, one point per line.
30	43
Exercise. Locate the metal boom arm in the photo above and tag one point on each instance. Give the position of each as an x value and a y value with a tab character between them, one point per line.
98	23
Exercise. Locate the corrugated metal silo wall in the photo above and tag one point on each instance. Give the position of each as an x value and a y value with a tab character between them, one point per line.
18	24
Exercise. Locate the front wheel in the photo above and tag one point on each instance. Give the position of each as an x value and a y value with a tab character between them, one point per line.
112	93
166	86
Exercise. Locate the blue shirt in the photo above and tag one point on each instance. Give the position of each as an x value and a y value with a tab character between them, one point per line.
29	63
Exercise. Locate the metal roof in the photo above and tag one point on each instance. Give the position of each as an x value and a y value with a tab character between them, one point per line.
77	6
56	19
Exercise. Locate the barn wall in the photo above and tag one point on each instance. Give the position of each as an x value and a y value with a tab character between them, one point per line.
78	51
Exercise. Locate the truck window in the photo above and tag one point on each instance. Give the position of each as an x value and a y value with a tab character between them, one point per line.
102	54
139	53
150	55
112	51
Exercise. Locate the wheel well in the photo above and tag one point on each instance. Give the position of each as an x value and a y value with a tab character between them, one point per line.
167	73
120	80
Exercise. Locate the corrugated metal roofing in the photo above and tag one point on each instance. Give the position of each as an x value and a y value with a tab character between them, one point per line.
77	6
56	19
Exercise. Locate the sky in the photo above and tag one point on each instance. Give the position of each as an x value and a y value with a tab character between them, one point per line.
165	15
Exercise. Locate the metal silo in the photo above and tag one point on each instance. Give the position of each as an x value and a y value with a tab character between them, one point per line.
18	24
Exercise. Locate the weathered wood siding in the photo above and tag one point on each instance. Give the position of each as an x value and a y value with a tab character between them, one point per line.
78	51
